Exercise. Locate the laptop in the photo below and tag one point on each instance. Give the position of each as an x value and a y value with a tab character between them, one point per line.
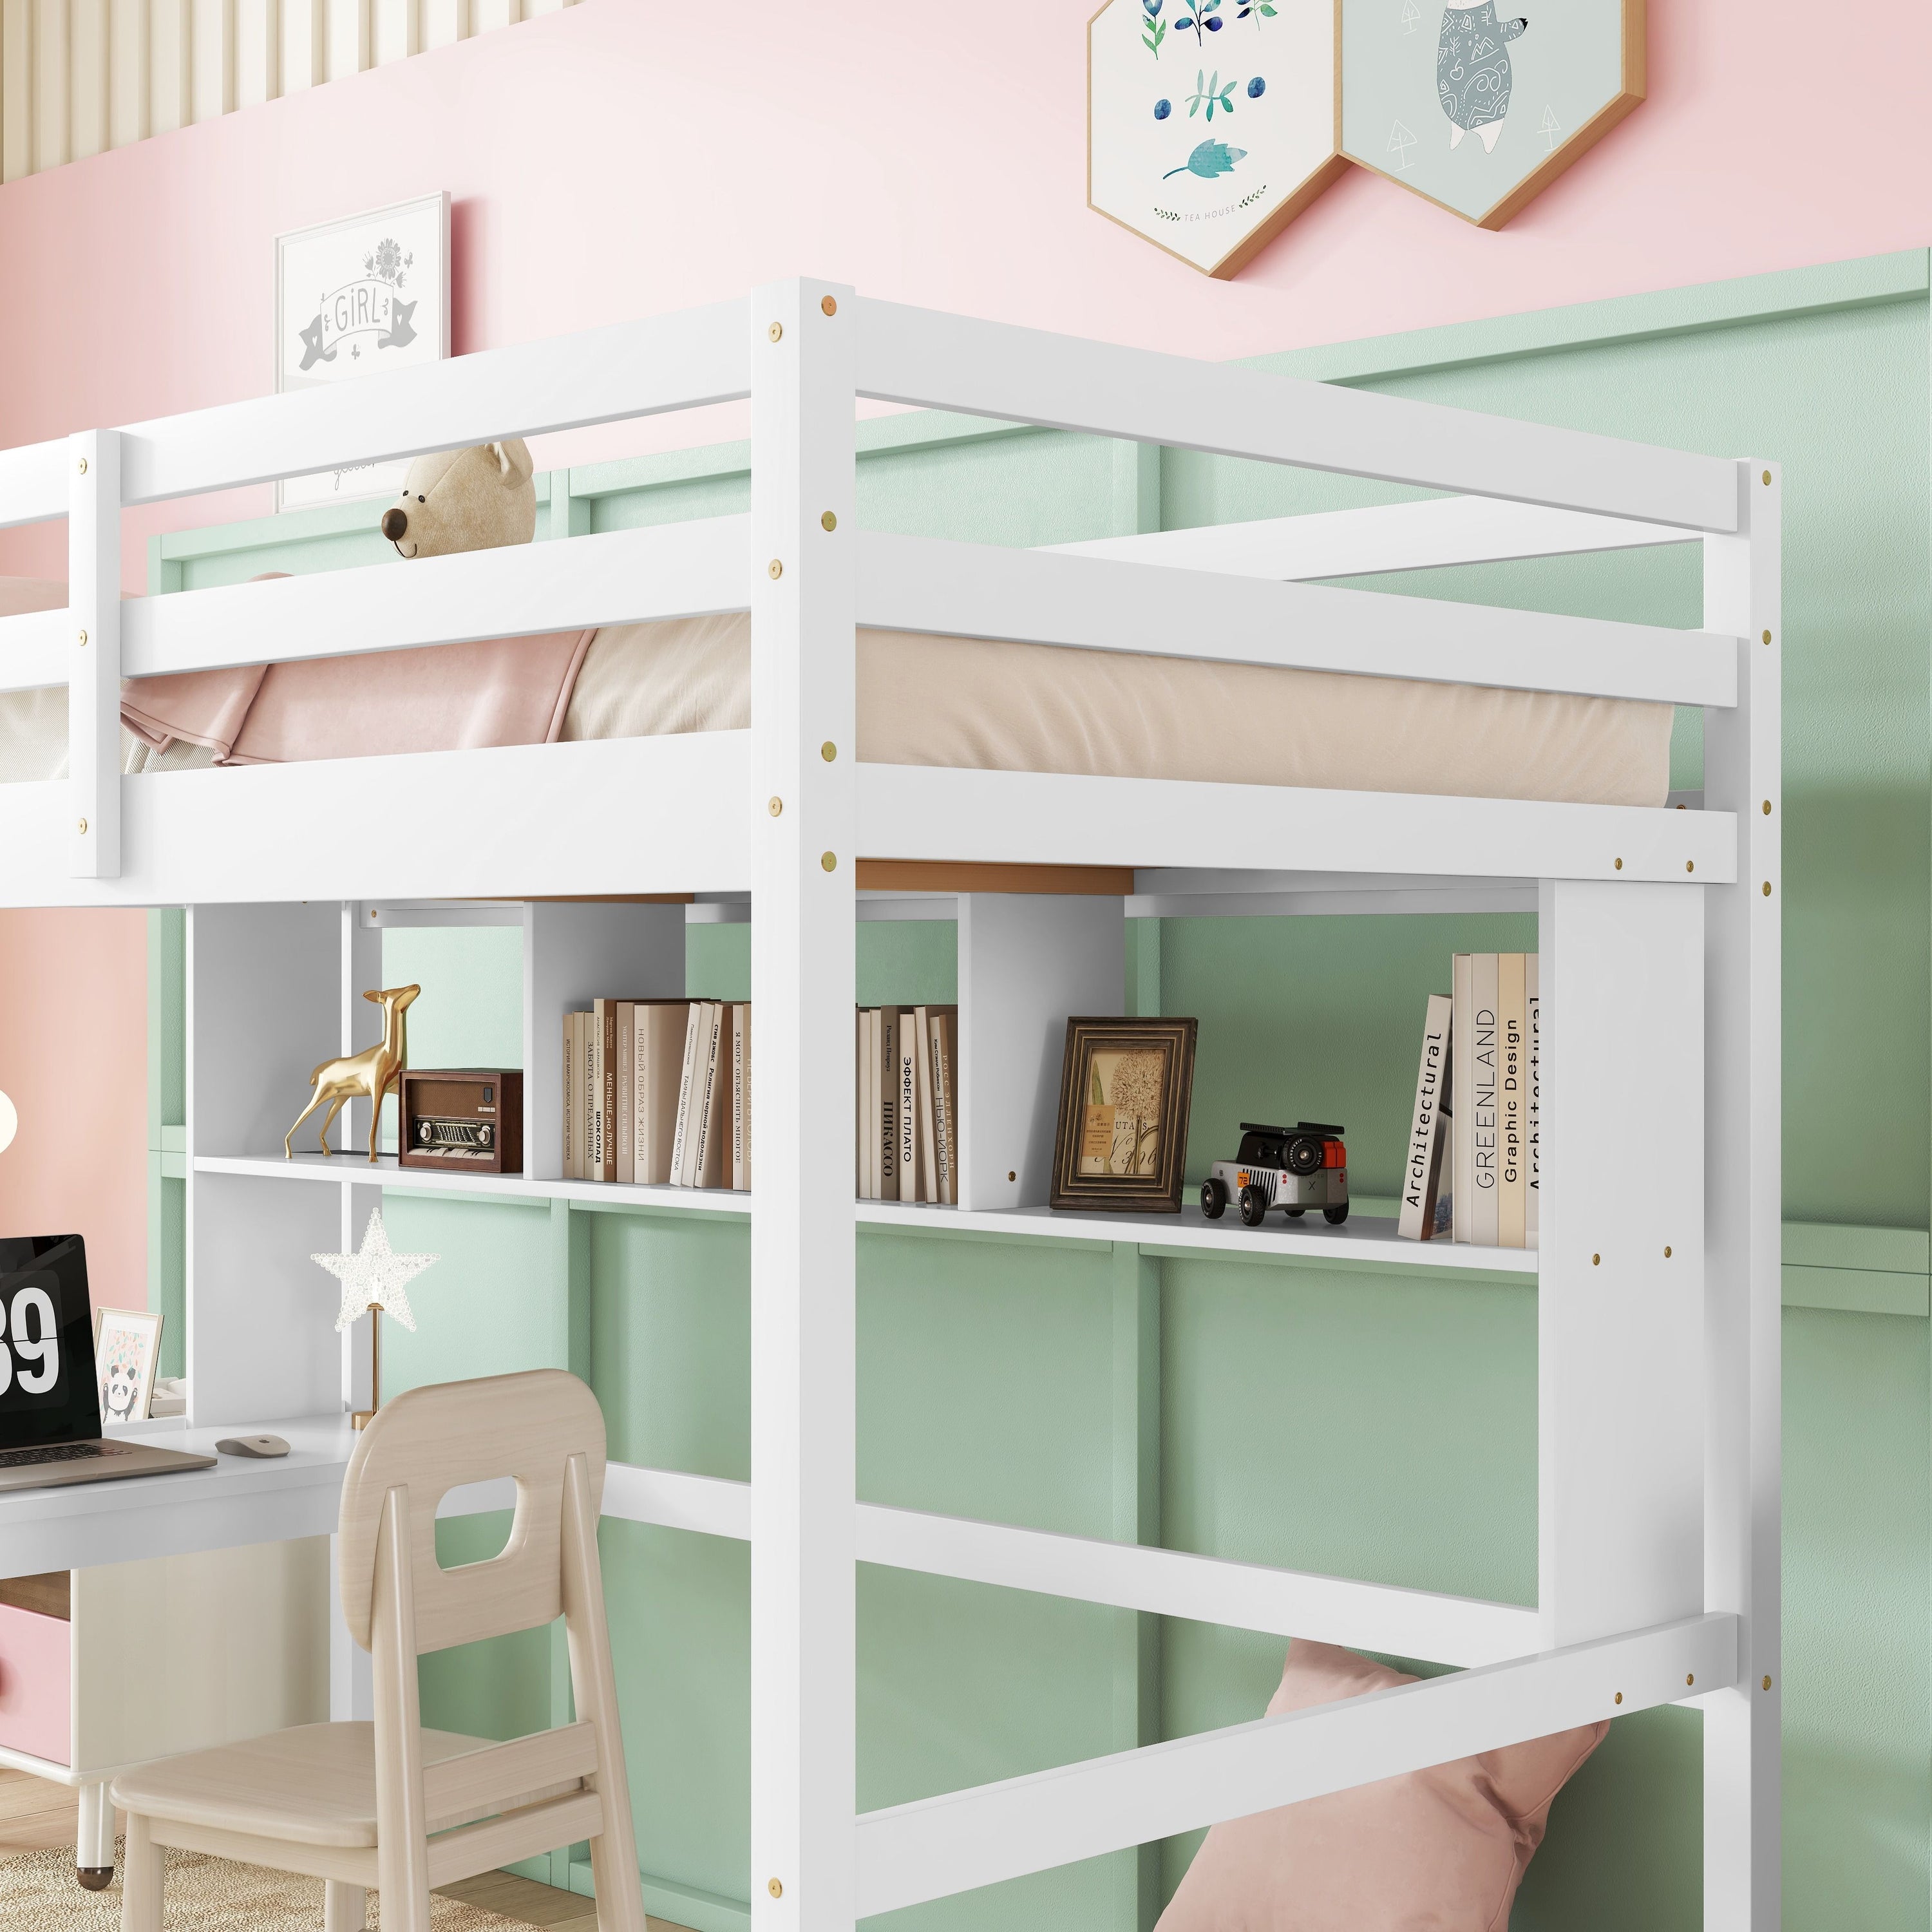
49	1397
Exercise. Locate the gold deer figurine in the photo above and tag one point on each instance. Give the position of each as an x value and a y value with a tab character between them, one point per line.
368	1075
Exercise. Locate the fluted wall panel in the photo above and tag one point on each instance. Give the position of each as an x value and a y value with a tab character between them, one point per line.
78	76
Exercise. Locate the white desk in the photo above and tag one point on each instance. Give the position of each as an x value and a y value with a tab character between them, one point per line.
242	1500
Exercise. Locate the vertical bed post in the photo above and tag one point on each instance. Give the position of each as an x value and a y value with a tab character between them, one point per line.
93	653
1743	1303
802	834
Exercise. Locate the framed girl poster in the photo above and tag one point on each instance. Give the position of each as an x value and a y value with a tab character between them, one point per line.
368	292
127	1346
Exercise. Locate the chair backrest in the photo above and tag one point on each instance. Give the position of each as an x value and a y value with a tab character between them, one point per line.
431	1440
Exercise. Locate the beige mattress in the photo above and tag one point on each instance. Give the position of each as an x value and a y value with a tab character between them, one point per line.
983	705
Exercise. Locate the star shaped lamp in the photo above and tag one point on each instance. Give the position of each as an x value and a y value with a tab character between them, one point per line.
374	1278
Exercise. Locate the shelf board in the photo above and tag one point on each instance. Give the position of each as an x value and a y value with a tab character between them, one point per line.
355	1168
1365	1240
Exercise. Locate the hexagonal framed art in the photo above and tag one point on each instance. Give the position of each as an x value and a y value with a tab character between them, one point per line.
1210	123
1481	109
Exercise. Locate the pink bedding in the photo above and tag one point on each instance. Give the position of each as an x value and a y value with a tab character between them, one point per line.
507	691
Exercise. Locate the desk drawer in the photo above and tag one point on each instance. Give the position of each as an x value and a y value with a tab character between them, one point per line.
36	1700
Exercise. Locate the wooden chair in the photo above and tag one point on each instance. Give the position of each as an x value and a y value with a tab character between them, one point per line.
390	1804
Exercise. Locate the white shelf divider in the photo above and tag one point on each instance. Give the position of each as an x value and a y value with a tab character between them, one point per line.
1027	963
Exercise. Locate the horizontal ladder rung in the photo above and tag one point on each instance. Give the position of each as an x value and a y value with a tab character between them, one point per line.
933	360
1204	1589
940	812
1167	1583
1438	533
621	577
702	567
978	590
965	1839
682	361
34	649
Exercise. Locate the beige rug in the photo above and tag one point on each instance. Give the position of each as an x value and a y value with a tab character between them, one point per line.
38	1893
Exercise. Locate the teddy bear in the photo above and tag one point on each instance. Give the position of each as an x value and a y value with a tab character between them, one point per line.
464	499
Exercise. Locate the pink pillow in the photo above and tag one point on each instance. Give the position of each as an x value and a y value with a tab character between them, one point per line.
1444	1848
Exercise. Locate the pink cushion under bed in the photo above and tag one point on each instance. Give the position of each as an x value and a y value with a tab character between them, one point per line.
1440	1850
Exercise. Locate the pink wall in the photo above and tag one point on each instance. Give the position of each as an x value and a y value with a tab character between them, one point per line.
74	1056
622	158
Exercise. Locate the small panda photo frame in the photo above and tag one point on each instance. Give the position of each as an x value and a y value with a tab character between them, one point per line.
127	1350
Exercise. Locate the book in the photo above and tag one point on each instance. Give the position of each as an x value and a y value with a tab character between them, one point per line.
1422	1172
945	1112
868	1125
1482	1137
604	1088
658	1045
885	1123
627	1111
1532	999
905	1101
709	1163
586	1104
592	1092
1512	1082
1462	1104
684	1140
861	1185
569	1097
928	1143
741	1097
574	1025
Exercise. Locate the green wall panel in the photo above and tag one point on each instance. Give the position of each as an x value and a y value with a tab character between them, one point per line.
1857	1682
680	1636
671	1329
985	1381
489	1306
1359	1424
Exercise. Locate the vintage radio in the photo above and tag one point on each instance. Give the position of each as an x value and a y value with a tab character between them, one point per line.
463	1120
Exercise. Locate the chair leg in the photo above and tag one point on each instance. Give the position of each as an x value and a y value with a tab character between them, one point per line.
94	1847
141	1879
345	1907
614	1874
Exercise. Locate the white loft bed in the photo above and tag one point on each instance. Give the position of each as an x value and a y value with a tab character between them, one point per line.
1658	1391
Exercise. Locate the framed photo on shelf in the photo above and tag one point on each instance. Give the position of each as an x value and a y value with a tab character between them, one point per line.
1125	1086
127	1348
353	297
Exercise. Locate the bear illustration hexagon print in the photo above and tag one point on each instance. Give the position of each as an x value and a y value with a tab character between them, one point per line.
1210	123
1483	112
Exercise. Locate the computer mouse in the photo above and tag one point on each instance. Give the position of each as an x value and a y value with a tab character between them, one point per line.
252	1445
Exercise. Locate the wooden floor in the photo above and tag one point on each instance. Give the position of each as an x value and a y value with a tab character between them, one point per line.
36	1816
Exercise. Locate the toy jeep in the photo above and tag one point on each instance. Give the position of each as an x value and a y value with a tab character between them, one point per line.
1294	1169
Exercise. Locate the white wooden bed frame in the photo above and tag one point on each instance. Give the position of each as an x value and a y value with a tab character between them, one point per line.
1659	933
